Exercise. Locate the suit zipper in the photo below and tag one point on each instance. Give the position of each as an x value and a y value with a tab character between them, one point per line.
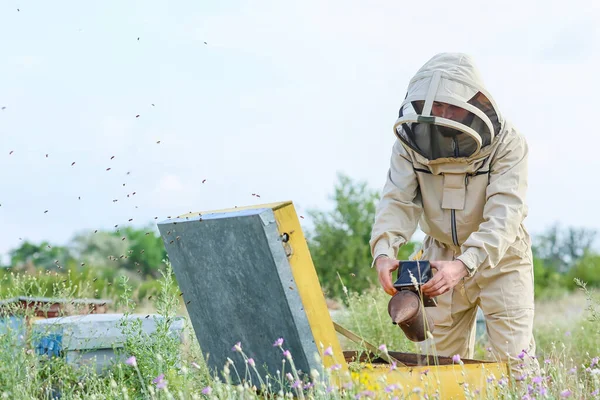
454	234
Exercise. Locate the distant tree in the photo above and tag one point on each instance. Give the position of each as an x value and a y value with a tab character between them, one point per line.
29	256
129	248
339	241
560	249
100	249
146	250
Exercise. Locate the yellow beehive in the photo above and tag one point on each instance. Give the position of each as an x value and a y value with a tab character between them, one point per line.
415	376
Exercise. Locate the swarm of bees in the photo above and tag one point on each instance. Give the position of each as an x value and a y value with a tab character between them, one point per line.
76	163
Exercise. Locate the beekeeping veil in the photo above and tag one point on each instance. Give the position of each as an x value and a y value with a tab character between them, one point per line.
452	80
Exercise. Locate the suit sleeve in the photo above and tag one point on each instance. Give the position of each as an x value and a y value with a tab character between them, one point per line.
505	207
399	209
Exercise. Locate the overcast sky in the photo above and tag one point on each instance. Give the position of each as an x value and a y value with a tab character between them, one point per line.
281	97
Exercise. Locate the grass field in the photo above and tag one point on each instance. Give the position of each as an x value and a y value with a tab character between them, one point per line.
158	367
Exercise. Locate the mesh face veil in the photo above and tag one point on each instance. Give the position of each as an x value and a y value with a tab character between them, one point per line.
445	117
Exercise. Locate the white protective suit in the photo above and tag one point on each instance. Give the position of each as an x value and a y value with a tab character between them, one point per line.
464	181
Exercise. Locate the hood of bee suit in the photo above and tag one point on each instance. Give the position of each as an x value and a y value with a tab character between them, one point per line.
448	80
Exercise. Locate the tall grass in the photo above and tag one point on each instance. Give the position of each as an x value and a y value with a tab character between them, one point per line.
158	366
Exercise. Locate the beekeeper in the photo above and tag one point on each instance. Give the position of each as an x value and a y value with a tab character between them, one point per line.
459	170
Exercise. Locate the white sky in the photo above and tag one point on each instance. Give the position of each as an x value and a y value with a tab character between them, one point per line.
283	96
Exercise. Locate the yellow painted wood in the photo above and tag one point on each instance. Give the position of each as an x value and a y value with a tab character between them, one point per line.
447	380
273	206
309	287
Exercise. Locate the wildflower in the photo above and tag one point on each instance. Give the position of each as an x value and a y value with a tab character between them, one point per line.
572	370
159	378
347	385
289	376
565	393
537	379
195	365
296	384
287	354
251	362
365	393
328	351
567	333
161	385
278	342
594	361
490	379
522	354
237	347
595	393
391	388
131	361
547	361
502	382
456	358
207	390
335	367
309	385
425	372
383	348
330	389
393	366
595	371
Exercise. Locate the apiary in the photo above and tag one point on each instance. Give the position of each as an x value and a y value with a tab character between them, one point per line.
248	277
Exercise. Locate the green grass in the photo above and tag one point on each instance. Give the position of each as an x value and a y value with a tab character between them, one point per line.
566	331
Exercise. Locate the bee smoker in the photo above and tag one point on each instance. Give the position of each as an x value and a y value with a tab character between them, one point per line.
406	308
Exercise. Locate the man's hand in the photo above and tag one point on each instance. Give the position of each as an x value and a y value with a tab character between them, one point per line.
385	266
449	273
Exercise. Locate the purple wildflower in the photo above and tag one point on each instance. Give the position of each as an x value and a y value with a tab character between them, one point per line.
278	342
522	354
537	379
567	333
161	385
328	351
131	361
296	384
393	366
335	367
289	376
195	365
251	362
456	358
594	362
572	371
207	390
502	382
159	378
383	348
391	388
309	385
565	393
365	393
237	347
595	393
